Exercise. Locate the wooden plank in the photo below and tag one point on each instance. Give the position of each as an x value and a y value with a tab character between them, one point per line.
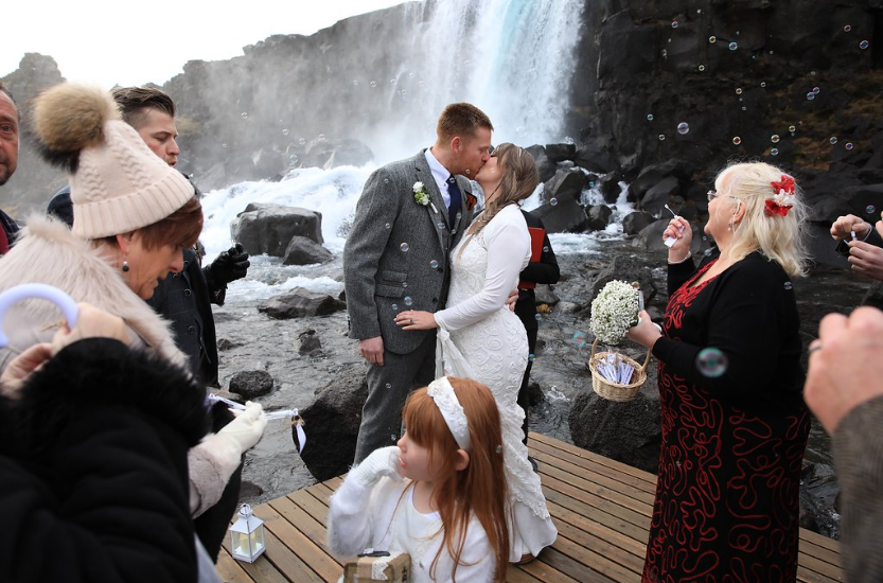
230	570
292	552
821	567
311	505
821	553
591	498
573	543
307	526
613	522
592	457
598	541
542	570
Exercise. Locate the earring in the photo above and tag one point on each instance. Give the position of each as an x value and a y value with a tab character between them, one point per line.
125	265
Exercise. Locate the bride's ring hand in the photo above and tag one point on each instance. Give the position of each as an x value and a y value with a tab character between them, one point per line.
416	320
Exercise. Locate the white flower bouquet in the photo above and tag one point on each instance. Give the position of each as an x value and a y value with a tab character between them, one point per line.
614	311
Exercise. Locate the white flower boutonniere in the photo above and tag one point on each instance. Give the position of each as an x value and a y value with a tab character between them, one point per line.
421	197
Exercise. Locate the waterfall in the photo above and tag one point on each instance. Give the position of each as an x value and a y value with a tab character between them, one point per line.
512	58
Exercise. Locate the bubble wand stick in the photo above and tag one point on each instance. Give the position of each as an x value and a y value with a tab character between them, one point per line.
672	240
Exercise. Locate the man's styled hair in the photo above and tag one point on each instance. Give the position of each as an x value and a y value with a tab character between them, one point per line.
461	119
134	103
5	89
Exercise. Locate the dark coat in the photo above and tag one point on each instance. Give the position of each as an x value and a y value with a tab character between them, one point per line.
543	271
93	469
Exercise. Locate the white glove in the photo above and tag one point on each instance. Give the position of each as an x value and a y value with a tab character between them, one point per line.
382	462
248	427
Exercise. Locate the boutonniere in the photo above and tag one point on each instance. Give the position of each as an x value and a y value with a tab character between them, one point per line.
421	197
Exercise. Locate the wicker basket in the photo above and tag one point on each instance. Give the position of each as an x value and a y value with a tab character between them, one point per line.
615	391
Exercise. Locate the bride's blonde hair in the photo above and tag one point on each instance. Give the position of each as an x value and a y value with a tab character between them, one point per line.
519	179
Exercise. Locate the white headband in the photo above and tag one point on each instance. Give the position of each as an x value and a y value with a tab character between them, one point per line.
445	399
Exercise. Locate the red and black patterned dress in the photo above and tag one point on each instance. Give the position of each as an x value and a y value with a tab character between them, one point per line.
733	436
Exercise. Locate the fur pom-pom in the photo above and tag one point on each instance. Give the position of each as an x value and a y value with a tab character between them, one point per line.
70	117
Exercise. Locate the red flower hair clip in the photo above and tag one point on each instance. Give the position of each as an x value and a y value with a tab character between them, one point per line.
782	199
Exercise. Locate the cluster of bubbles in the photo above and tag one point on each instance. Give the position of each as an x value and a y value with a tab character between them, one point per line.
683	128
711	363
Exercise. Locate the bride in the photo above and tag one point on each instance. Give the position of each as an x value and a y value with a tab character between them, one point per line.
481	339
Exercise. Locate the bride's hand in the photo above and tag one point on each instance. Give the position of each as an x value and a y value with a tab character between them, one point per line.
416	320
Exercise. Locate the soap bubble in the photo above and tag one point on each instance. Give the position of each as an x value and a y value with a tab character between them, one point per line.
292	160
774	138
701	68
763	83
848	146
405	284
440	225
661	137
408	301
520	130
392	81
568	140
531	357
224	145
553	201
738	91
301	141
546	249
712	39
833	140
649	117
244	115
321	137
733	46
539	316
395	307
388	226
373	84
591	184
355	81
674	23
810	96
386	180
711	362
683	128
285	132
863	45
870	209
847	28
789	286
774	152
744	108
792	129
388	385
816	90
737	140
404	247
579	339
433	264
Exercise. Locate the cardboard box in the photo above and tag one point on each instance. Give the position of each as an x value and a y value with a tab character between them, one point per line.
395	568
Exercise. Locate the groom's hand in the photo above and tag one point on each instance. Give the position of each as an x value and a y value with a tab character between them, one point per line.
513	297
371	350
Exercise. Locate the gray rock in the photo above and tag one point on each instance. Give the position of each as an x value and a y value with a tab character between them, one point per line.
309	342
561	152
333	153
659	194
268	228
651	237
544	295
332	423
635	222
567	216
599	216
251	384
610	188
304	251
567	183
299	303
628	432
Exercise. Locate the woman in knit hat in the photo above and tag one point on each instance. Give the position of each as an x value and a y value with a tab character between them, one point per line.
133	215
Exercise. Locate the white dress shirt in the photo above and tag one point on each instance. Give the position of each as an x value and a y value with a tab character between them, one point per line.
441	175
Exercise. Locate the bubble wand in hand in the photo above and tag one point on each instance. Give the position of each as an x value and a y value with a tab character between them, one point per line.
672	240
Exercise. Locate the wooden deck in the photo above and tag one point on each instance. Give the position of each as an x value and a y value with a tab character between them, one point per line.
601	508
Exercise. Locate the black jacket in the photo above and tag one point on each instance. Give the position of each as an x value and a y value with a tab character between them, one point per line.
543	271
93	469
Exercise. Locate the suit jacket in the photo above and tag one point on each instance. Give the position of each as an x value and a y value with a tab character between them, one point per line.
396	255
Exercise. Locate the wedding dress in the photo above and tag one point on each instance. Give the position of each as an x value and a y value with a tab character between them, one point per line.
480	338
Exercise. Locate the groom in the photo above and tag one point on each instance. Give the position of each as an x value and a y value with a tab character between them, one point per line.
410	215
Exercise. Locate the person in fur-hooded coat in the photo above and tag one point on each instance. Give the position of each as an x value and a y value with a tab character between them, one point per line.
94	476
133	216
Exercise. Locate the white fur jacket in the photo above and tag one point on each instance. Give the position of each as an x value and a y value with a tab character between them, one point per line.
47	252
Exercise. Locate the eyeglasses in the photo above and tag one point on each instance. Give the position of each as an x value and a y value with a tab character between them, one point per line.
711	194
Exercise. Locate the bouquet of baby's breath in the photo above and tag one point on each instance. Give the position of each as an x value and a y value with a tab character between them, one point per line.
614	311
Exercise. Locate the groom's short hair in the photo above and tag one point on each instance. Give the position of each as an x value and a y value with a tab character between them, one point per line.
461	119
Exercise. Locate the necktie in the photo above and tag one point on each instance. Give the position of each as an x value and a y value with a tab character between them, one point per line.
4	241
456	200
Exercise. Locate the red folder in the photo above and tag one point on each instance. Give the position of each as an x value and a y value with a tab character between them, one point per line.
537	237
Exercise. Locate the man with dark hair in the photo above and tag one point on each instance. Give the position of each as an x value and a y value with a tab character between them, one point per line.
410	215
9	142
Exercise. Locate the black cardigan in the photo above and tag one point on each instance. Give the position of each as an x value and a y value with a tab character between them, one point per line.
749	313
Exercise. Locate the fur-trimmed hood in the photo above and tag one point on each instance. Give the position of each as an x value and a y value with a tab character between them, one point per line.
103	372
47	252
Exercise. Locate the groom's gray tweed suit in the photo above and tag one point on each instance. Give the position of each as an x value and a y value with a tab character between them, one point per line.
395	259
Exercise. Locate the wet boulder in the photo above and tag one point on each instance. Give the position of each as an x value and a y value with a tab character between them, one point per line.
300	303
269	228
305	251
250	384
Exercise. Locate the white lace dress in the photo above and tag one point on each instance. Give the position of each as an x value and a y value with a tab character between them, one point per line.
481	339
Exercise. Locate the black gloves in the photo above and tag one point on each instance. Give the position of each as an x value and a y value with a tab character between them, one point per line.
229	266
